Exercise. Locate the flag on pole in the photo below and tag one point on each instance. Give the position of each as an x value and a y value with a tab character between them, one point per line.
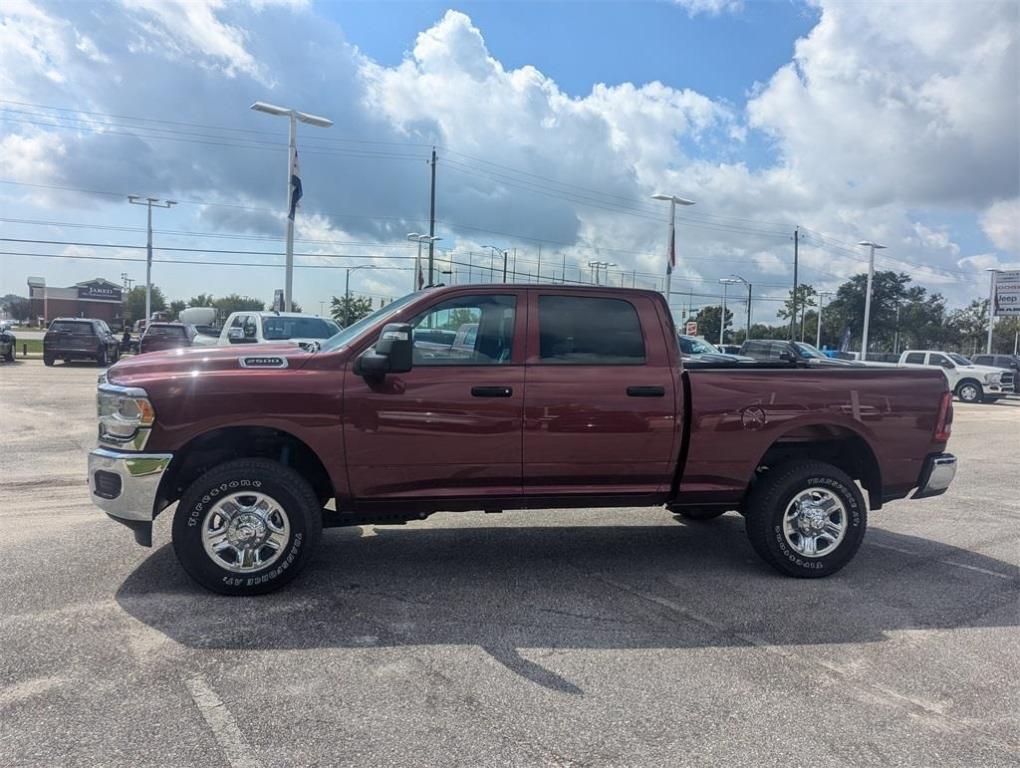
295	187
672	252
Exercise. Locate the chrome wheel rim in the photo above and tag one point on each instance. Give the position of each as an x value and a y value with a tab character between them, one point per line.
245	532
968	392
815	522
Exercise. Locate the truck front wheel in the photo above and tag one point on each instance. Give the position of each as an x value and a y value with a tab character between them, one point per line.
246	527
806	519
969	391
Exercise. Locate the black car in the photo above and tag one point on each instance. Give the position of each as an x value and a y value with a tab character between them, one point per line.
1009	362
794	352
77	338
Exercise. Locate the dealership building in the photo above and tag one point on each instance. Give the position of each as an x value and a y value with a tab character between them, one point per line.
97	298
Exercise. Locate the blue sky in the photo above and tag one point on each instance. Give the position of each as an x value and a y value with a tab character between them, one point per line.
554	123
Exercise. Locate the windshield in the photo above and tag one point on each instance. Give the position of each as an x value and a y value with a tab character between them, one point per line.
354	330
76	328
692	346
959	359
807	350
283	327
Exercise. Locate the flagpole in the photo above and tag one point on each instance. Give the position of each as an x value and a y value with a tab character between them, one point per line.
288	286
672	246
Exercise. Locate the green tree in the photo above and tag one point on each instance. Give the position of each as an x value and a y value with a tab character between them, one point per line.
176	307
889	290
707	319
134	308
806	299
16	306
347	310
236	303
202	300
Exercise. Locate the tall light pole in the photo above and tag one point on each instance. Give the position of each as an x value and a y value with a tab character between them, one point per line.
747	332
821	303
599	265
674	201
992	276
293	181
414	237
347	290
495	250
867	296
148	202
726	282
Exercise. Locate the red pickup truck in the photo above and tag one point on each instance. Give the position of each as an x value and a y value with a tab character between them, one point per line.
566	397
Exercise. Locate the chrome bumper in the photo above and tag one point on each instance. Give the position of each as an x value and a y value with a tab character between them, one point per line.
125	486
936	476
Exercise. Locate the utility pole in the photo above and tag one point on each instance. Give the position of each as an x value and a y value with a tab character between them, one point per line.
896	333
821	302
796	263
538	270
148	202
867	297
506	254
432	216
514	267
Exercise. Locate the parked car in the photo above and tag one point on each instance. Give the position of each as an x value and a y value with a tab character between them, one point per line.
693	349
728	349
8	343
253	442
264	327
75	338
163	336
793	352
971	383
1008	362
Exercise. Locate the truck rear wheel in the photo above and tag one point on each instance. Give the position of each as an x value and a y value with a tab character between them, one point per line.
246	527
806	519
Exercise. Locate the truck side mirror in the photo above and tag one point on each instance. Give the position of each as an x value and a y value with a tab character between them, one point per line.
235	334
393	352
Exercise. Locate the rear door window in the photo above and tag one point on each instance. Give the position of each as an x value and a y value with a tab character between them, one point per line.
914	358
582	330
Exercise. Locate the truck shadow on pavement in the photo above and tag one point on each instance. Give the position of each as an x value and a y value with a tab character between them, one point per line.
536	589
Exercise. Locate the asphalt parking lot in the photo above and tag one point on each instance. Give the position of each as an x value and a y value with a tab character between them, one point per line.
570	638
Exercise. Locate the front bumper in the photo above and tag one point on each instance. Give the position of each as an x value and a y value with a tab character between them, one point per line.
125	486
936	475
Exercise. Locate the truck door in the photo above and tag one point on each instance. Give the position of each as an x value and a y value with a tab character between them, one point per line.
600	402
451	426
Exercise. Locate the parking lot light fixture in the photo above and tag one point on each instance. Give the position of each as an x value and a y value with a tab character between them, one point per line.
726	282
294	116
747	331
674	201
867	296
148	202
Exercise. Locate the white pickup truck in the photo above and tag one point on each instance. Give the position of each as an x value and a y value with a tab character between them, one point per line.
971	383
270	327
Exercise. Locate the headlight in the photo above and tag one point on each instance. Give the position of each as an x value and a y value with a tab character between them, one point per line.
125	414
993	378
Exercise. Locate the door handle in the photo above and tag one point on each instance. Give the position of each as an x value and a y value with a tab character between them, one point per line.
646	391
492	391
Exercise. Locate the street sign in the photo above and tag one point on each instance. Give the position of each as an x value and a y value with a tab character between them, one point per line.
691	329
1007	294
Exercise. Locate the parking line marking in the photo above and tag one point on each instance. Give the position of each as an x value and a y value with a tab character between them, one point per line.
221	723
979	570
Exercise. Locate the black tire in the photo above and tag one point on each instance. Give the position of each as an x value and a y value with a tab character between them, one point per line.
9	357
294	496
697	515
47	359
102	358
766	511
969	391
